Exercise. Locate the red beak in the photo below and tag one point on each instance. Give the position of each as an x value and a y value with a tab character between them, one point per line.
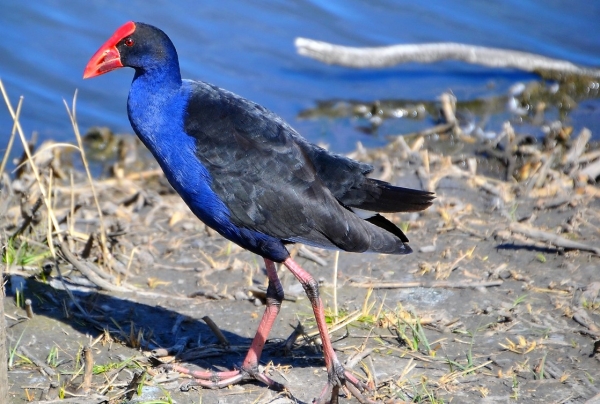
108	58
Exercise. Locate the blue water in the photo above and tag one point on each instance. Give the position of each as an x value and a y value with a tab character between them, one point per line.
247	47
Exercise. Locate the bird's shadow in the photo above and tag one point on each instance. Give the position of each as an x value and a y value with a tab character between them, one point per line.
125	318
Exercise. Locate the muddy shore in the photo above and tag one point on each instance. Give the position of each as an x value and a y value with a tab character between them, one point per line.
498	303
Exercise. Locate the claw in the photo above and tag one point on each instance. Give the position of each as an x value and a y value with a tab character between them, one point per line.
218	380
340	377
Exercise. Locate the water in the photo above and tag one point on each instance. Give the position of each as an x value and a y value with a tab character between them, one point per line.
247	47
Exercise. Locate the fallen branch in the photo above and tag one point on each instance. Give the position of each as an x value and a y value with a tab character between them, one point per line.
216	330
433	52
551	238
88	358
555	202
581	316
87	272
304	252
433	284
591	171
579	146
357	357
44	368
437	129
262	294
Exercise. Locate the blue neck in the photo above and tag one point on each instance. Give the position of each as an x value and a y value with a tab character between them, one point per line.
163	76
157	108
152	92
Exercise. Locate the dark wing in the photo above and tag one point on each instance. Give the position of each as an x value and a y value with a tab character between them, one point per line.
347	181
256	168
263	171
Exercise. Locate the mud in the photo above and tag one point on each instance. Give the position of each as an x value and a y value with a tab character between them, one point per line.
482	311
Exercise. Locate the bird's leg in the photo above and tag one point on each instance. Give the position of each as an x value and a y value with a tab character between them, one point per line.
250	365
337	375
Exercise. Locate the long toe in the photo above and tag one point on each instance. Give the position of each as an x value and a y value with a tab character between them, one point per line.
340	377
218	380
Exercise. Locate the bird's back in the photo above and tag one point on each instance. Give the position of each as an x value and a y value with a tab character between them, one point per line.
276	183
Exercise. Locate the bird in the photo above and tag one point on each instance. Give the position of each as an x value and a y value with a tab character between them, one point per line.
247	174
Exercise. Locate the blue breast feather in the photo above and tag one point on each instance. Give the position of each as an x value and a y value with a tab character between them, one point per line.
157	117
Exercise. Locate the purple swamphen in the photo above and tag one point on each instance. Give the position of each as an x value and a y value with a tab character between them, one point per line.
251	177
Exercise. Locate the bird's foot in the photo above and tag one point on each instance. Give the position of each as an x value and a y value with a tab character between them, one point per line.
217	380
340	377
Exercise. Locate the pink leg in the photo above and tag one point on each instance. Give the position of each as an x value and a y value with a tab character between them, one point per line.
250	365
337	375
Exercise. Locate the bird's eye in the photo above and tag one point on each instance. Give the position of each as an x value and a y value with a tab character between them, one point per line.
129	42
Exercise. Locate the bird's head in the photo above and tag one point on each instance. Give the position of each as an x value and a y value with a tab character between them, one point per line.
136	45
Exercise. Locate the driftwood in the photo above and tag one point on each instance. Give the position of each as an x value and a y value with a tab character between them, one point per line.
384	56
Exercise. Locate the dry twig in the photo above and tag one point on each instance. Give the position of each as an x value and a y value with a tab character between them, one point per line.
216	330
44	368
88	272
88	358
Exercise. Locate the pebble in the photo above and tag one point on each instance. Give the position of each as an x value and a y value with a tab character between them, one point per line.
241	295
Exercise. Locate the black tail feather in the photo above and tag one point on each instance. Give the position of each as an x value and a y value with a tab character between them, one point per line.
388	198
385	224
